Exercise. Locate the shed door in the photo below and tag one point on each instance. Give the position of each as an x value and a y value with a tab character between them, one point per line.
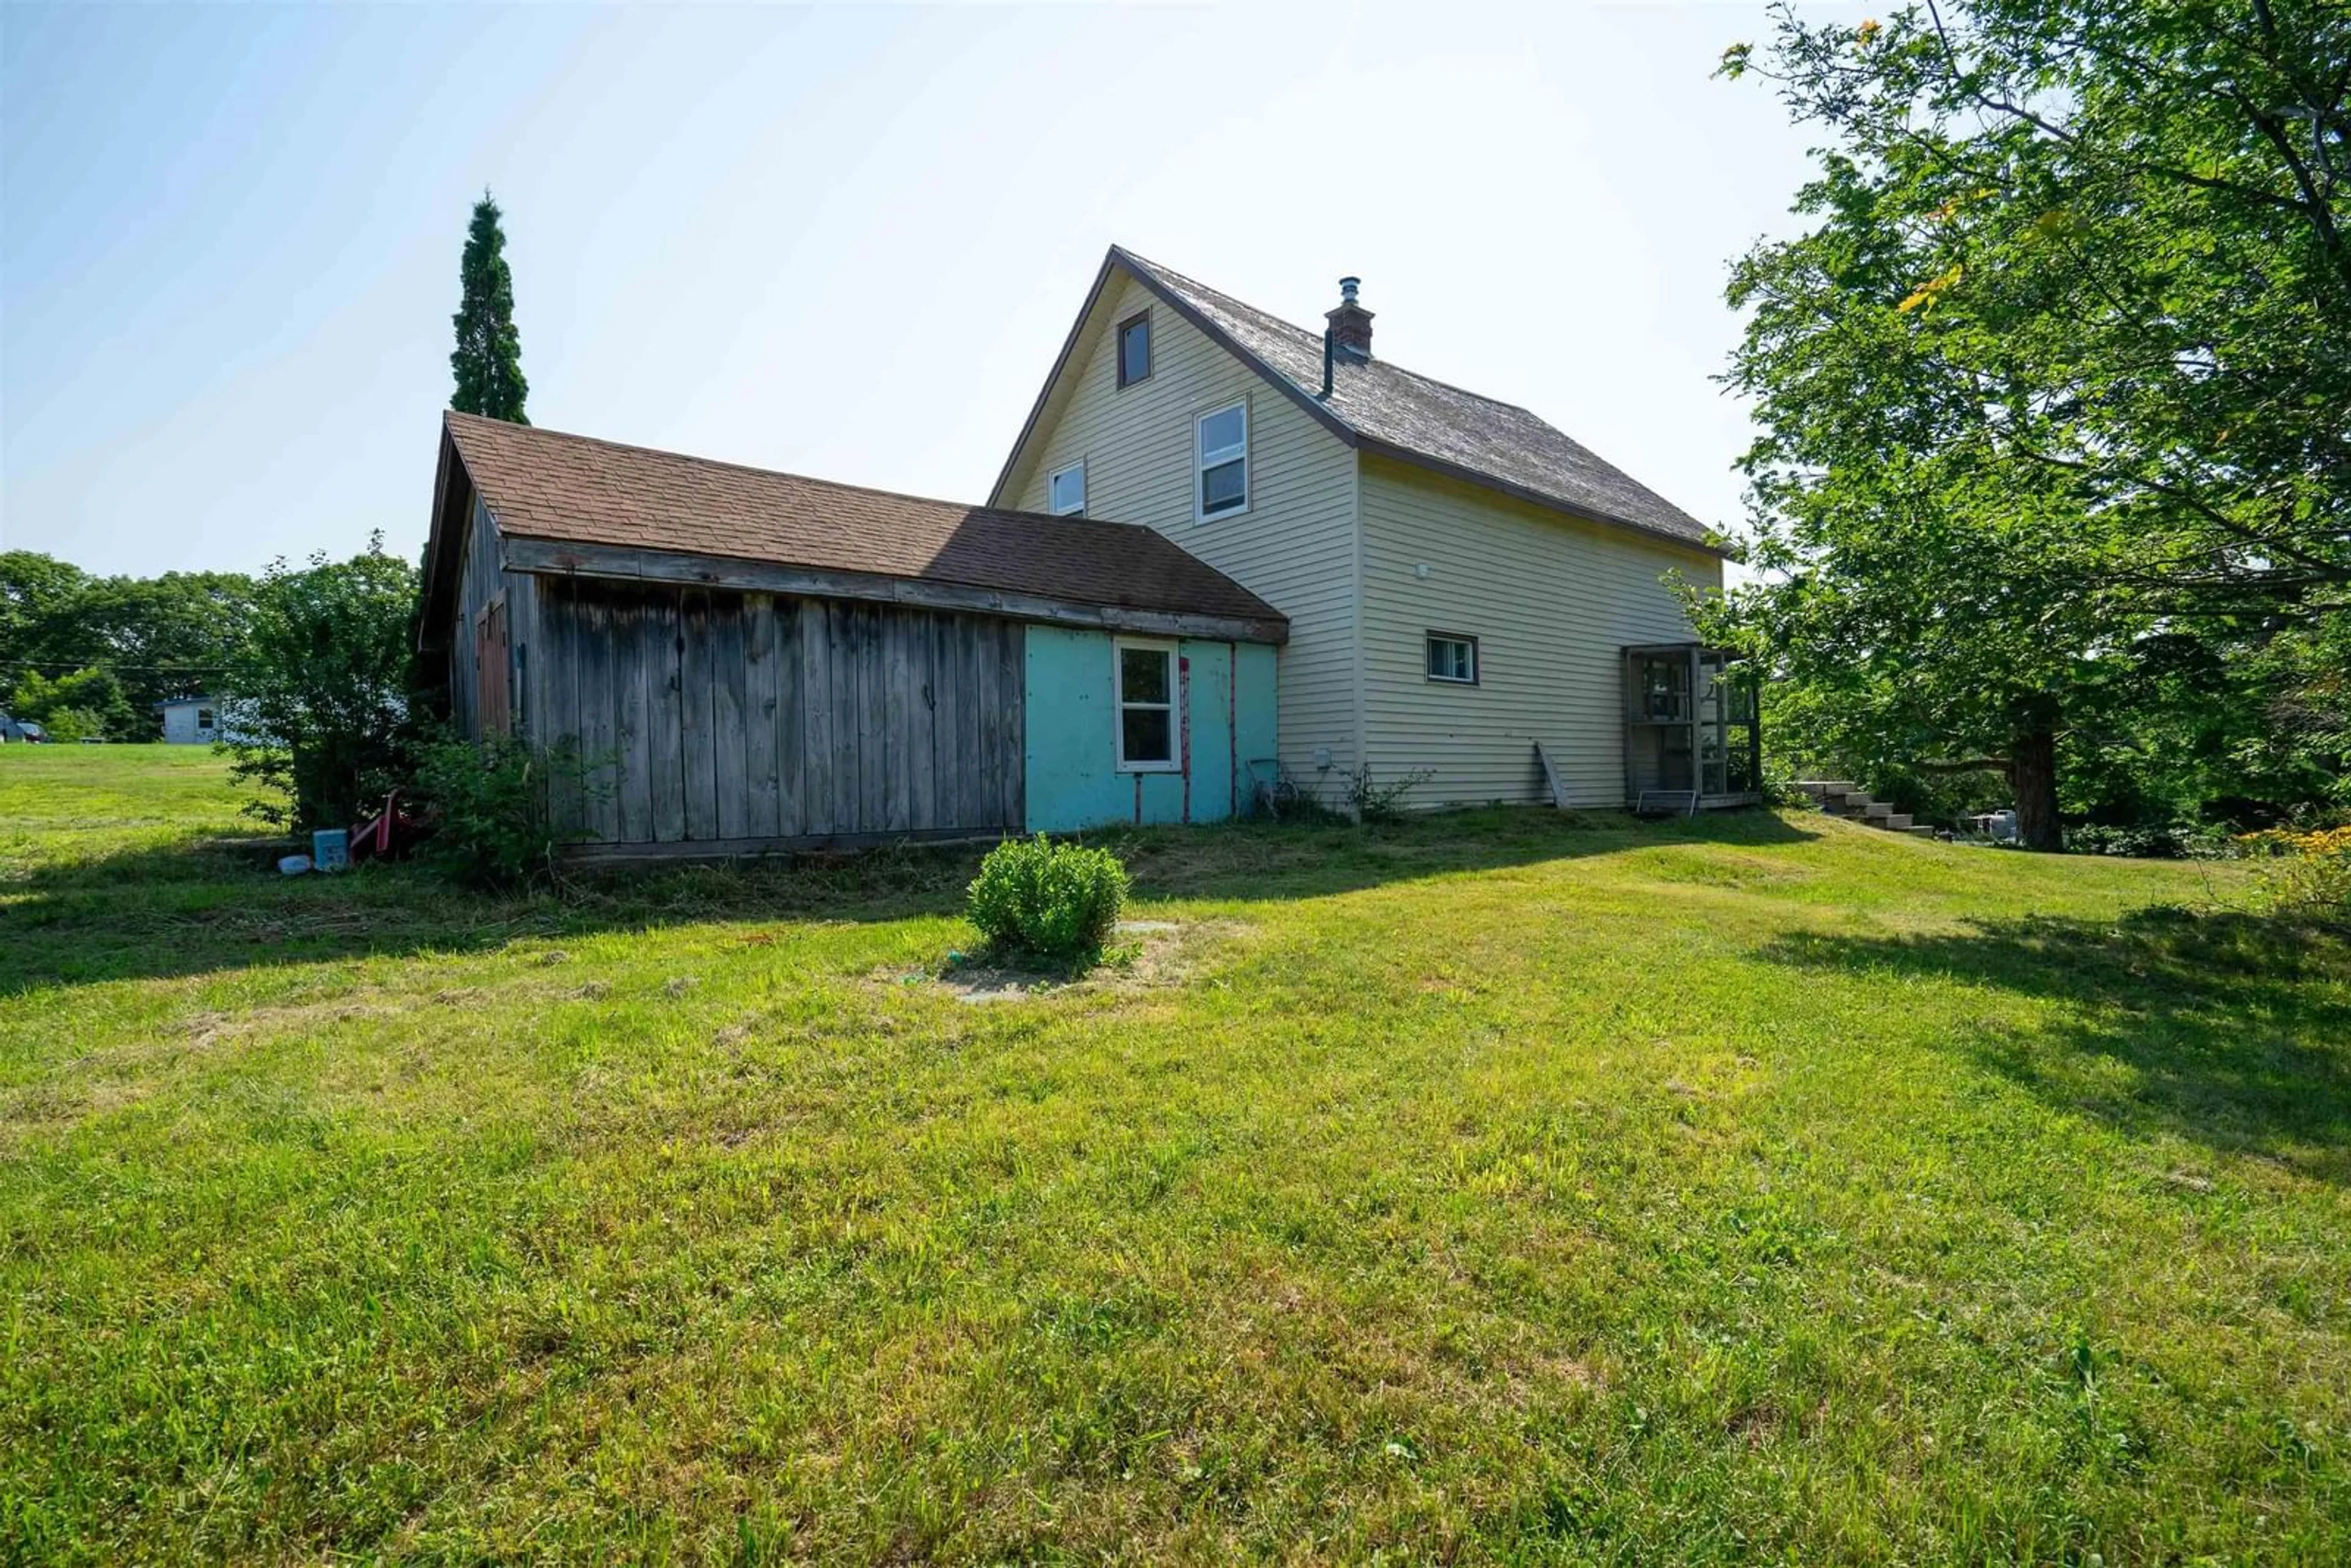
493	688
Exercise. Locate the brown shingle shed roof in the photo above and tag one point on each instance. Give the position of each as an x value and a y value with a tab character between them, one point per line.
1380	406
604	497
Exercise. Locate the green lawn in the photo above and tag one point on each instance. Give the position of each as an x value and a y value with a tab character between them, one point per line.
1493	1188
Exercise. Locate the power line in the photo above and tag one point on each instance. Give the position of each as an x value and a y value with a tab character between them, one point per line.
71	665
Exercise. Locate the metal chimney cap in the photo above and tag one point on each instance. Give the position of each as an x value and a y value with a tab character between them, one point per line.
1347	287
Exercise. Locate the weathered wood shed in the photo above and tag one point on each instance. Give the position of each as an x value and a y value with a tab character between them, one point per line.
750	660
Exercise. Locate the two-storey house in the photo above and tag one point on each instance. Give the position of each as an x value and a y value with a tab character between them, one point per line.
1463	582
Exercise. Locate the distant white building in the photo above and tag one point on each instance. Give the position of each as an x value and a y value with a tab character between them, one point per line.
191	721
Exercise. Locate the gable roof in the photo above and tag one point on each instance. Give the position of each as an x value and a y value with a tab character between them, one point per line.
608	505
1380	406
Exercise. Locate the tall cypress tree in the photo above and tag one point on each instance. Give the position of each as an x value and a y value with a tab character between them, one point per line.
488	358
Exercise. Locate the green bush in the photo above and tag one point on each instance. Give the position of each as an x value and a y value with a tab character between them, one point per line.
1038	900
322	700
87	704
69	723
495	822
2176	840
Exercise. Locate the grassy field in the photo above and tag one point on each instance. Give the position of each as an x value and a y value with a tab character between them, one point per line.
1494	1188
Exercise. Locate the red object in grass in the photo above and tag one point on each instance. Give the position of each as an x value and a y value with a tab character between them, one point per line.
390	834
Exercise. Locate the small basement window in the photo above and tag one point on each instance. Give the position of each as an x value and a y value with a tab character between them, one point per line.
1146	708
1452	657
1066	491
1135	349
1220	444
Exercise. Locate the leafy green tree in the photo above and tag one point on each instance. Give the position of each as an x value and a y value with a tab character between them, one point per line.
169	636
160	637
2059	377
320	688
86	704
488	358
40	624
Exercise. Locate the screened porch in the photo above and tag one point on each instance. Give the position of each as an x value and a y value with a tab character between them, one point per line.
1691	739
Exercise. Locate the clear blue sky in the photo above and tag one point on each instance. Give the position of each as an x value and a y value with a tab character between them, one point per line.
842	241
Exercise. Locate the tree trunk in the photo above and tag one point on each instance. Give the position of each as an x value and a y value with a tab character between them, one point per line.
2033	774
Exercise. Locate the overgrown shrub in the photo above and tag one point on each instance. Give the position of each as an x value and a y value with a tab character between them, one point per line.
2309	872
69	723
1038	900
2176	840
317	694
500	811
87	703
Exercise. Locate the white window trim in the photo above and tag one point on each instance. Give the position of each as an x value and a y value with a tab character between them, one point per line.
1119	704
1200	464
1079	468
1464	640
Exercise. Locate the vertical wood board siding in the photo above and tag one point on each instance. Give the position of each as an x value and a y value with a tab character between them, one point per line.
480	578
717	717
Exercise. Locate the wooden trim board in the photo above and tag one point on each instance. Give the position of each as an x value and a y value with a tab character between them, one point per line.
554	557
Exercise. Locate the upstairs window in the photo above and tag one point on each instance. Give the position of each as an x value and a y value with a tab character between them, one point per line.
1146	708
1221	447
1066	491
1453	658
1135	349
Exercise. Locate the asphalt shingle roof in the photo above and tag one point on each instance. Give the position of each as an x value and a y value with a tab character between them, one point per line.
1498	442
544	484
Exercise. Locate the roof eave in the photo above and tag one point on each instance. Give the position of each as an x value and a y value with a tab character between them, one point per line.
446	533
545	557
1135	267
1052	378
1141	272
1118	258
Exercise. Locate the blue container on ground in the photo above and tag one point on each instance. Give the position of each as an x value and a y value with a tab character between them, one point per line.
330	849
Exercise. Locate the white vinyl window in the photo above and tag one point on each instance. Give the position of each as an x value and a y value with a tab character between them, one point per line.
1220	448
1453	658
1068	491
1146	706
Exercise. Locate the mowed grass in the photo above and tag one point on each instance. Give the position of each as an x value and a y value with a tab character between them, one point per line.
1494	1188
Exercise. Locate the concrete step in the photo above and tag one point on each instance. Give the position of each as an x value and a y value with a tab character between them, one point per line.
1877	810
1854	800
1897	822
1919	831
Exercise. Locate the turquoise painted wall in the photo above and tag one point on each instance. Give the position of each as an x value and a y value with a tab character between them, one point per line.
1226	688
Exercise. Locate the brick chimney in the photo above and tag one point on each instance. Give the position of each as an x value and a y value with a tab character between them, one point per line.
1351	324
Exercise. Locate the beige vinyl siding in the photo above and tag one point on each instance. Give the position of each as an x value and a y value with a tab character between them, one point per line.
1294	546
1551	600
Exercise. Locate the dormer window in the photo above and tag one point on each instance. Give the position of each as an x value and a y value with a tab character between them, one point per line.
1135	349
1066	491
